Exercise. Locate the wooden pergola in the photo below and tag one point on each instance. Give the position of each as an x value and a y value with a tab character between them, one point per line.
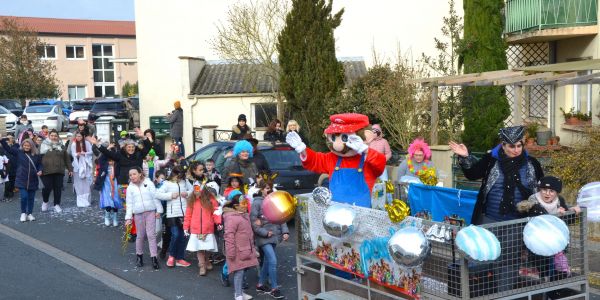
556	75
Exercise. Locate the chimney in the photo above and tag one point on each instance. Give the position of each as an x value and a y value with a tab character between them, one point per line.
191	67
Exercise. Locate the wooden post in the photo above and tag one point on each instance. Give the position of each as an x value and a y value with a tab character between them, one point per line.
517	105
433	138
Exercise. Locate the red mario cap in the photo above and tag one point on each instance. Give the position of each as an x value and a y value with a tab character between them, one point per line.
345	123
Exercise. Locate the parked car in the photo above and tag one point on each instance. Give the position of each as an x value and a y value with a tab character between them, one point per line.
10	118
116	108
13	105
81	110
49	115
66	107
281	158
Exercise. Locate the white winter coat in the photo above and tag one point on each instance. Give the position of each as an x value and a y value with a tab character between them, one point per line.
175	207
141	198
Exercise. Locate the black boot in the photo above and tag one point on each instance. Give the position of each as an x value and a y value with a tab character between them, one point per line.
140	260
155	263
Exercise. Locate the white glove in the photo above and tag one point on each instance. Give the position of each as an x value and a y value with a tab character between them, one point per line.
218	211
294	140
356	143
186	233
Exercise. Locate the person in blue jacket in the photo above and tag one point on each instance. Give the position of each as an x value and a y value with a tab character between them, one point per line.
29	169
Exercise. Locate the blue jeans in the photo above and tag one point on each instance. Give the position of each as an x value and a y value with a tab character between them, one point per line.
269	266
27	197
178	243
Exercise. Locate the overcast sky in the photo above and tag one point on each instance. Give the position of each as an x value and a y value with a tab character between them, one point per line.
388	26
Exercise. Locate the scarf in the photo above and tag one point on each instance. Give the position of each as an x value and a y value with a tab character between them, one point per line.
552	207
510	169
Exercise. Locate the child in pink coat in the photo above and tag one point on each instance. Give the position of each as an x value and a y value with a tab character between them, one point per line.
199	221
239	241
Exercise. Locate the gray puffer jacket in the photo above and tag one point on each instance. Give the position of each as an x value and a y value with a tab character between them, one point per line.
261	231
176	121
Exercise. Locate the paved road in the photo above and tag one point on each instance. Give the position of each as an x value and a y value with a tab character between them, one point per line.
30	274
81	233
27	273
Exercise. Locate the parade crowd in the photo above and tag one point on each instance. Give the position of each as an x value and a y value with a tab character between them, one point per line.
218	216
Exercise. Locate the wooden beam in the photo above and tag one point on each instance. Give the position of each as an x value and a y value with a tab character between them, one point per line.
583	79
433	138
523	78
550	80
517	105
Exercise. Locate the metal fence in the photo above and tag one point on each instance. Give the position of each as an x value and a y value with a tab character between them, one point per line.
447	274
525	15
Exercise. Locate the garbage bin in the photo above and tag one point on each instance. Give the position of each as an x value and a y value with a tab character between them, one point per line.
118	125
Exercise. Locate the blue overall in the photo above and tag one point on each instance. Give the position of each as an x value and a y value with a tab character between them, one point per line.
348	185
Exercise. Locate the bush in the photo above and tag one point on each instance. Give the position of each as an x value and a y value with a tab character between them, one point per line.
578	165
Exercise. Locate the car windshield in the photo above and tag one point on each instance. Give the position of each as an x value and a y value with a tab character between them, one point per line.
103	106
282	159
4	111
11	104
38	103
38	109
82	105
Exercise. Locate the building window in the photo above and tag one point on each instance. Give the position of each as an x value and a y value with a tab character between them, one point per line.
75	52
104	70
47	52
264	113
76	92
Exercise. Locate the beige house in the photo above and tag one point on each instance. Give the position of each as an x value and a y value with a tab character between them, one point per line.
220	91
549	32
86	53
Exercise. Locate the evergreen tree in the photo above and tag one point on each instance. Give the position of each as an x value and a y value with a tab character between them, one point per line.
310	73
484	108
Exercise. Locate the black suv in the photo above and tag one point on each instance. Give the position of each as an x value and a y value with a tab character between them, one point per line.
116	108
13	105
281	158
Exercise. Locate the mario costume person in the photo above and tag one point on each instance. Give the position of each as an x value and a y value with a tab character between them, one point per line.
351	166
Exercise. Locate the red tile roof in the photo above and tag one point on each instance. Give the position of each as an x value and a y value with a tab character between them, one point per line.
77	27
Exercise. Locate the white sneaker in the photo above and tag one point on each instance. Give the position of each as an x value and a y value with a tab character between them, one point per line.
246	296
57	208
44	206
23	217
30	217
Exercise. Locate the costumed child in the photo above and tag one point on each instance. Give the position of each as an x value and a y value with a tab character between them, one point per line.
175	191
152	164
196	173
267	236
3	169
83	168
239	242
352	167
159	178
235	183
106	183
201	216
145	208
548	200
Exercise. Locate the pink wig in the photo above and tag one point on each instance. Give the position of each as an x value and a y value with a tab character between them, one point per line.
419	144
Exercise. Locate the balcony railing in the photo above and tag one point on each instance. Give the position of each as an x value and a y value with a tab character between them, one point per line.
527	15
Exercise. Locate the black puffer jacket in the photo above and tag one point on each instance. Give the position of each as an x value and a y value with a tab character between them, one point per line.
480	169
126	162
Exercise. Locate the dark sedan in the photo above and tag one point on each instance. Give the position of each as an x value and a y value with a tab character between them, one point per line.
281	158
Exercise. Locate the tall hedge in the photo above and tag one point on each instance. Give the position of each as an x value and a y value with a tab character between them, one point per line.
485	108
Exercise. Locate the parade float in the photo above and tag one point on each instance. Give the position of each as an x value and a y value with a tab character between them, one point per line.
367	239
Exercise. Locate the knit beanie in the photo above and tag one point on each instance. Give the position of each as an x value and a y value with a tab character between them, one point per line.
242	117
550	182
233	194
177	104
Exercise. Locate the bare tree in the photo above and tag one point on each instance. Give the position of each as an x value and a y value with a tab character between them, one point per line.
249	36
